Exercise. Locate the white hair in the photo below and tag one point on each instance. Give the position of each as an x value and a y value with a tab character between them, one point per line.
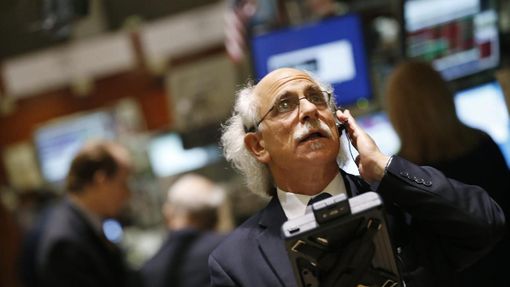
256	175
193	192
244	118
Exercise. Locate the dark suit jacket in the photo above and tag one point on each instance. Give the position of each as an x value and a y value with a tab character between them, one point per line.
71	253
190	269
439	225
485	166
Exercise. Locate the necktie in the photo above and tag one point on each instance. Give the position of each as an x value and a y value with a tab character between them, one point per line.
318	198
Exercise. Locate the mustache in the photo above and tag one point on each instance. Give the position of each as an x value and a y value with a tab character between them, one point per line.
303	130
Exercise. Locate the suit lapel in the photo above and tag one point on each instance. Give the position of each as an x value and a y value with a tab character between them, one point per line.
354	185
270	239
91	236
271	243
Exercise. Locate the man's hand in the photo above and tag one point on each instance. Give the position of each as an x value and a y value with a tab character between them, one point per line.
371	161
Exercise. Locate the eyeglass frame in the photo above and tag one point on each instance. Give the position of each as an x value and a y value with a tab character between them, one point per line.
256	126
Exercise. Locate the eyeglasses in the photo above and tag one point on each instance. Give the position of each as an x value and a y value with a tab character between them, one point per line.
288	103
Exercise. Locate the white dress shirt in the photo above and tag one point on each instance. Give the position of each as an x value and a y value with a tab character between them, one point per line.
294	205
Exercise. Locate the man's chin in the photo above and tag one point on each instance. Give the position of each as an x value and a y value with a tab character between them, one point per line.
316	150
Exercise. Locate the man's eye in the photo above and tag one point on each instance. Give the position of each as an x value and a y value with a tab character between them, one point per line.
316	98
284	105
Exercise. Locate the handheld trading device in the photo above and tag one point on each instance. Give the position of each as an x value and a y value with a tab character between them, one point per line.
342	242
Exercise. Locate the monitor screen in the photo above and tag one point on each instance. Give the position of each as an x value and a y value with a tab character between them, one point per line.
459	37
378	126
332	49
57	142
167	155
483	107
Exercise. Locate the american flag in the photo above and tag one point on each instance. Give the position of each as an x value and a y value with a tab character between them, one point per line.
237	18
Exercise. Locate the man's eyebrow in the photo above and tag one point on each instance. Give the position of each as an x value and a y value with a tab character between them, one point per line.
284	94
313	87
308	88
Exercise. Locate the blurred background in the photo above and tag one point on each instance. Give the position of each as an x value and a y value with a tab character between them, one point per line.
160	77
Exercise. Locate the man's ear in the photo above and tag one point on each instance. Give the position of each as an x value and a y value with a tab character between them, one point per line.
255	144
168	212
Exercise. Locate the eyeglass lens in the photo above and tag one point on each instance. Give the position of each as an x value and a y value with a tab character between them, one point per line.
290	103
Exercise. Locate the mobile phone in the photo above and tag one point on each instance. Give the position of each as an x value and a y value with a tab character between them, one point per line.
339	125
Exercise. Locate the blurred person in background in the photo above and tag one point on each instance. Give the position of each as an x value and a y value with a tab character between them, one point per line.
10	236
283	138
192	214
74	250
421	108
33	211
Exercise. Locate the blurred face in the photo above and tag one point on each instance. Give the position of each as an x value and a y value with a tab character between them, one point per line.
119	192
114	190
291	134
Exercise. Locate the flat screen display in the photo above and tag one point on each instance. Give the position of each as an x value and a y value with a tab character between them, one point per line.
332	49
58	142
459	37
167	155
483	107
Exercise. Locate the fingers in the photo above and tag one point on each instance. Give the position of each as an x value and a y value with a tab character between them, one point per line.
346	117
342	116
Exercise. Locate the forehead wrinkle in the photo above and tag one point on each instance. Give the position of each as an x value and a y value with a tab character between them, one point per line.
277	87
306	88
283	81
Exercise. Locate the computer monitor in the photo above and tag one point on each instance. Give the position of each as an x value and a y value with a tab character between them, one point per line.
483	107
332	49
168	157
459	37
378	126
57	142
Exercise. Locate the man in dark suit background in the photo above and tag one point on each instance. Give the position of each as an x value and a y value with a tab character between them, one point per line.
73	250
282	137
192	212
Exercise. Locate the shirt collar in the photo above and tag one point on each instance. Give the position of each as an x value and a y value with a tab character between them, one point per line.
294	205
93	219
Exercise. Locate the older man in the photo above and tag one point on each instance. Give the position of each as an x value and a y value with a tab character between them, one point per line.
192	214
282	137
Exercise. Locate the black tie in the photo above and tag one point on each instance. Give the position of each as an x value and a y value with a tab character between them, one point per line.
319	197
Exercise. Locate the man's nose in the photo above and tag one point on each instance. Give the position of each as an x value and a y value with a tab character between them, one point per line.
307	109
